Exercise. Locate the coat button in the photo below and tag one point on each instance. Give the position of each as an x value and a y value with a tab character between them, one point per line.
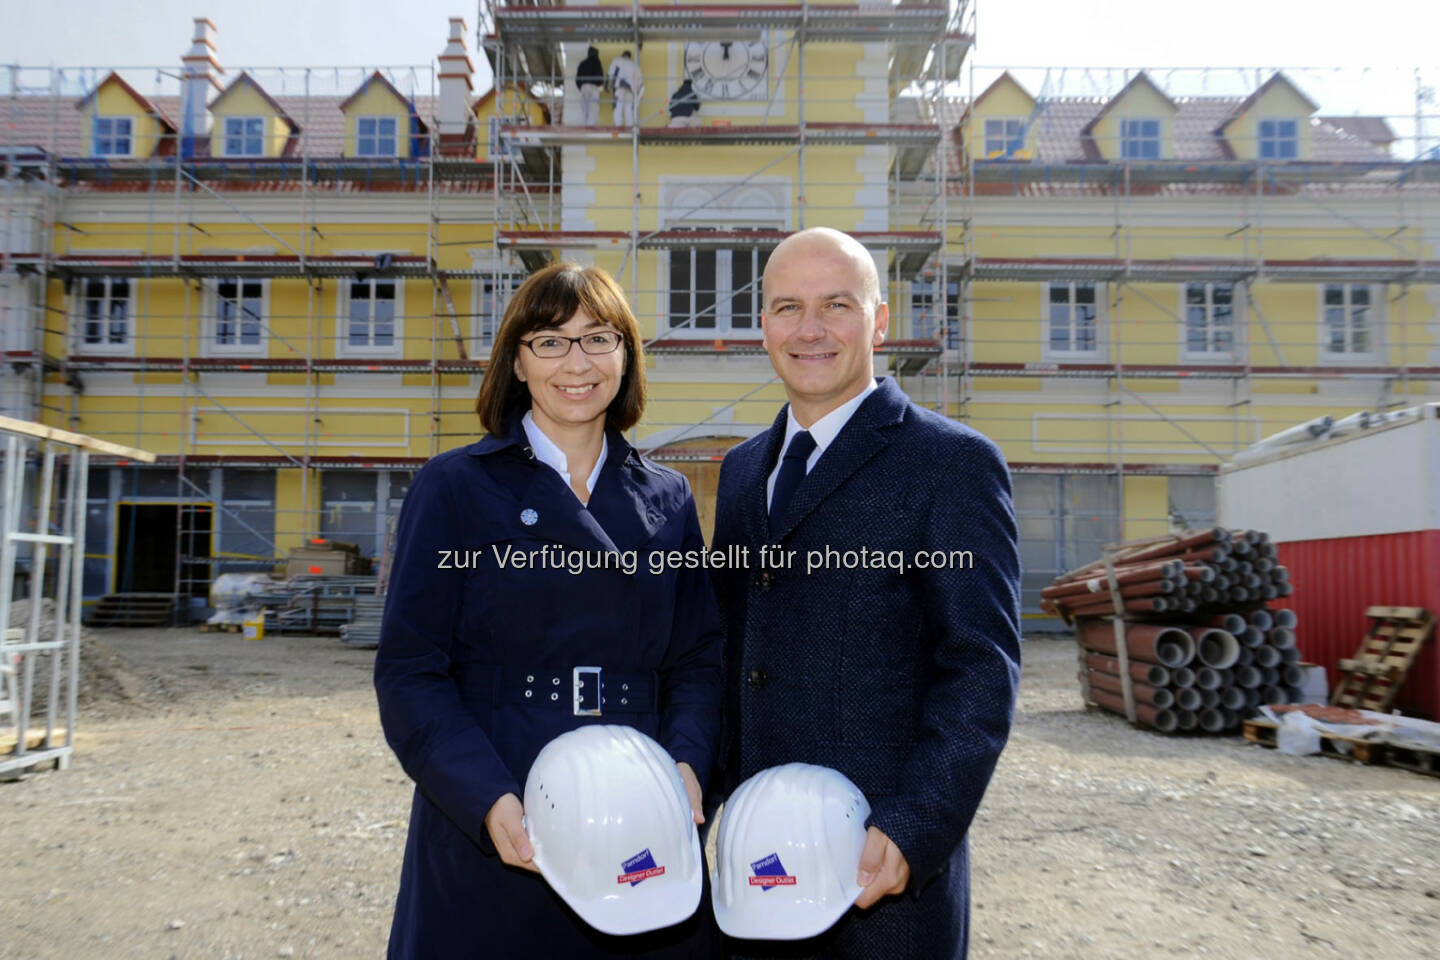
757	678
765	581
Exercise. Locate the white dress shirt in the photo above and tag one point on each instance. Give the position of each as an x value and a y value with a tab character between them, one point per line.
549	454
823	431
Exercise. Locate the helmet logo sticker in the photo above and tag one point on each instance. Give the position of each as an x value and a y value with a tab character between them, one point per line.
770	872
639	867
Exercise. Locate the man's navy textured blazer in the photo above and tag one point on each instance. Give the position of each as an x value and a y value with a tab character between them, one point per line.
903	681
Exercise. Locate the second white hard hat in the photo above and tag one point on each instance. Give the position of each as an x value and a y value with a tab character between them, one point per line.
787	853
610	821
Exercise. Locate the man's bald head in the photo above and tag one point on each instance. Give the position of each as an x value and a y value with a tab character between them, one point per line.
825	242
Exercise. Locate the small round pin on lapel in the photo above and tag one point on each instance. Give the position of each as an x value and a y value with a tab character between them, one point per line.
529	517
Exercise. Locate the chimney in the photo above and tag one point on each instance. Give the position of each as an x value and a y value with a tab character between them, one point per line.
455	86
201	68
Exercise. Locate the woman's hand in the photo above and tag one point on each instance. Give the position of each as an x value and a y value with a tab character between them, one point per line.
507	832
692	789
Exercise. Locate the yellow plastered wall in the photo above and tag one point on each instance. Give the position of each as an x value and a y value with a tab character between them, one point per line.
1147	507
832	89
1280	102
1006	99
1139	102
244	101
169	319
112	100
507	102
1146	326
292	504
378	101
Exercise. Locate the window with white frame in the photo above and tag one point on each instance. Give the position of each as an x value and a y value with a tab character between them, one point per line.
1072	319
1209	320
493	294
238	316
104	322
925	312
113	137
376	137
1279	139
1350	324
1004	136
1139	138
244	136
370	321
716	291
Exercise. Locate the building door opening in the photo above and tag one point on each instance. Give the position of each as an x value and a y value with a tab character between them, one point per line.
148	535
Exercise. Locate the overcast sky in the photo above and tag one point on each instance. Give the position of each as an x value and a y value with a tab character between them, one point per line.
1362	57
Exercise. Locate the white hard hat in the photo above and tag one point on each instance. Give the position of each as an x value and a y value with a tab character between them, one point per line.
785	862
610	821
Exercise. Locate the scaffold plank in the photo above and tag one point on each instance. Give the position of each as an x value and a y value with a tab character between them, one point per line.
647	22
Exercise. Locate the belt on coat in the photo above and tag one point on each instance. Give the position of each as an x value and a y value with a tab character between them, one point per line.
584	691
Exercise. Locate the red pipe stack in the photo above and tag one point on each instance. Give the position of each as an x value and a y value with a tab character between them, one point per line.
1203	651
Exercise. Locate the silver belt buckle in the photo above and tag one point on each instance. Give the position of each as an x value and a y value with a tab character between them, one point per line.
585	687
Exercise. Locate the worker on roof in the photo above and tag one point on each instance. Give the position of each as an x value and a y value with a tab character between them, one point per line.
684	104
590	78
626	83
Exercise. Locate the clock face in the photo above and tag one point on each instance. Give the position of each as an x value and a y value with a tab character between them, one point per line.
728	70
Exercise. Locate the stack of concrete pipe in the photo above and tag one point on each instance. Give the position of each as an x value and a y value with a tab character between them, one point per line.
1207	677
1201	573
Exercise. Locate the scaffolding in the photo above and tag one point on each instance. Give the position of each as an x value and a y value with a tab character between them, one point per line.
43	506
966	241
922	46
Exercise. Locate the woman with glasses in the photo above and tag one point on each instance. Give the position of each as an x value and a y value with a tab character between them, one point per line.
521	605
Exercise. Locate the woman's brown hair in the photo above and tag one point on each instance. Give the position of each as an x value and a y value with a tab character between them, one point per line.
545	301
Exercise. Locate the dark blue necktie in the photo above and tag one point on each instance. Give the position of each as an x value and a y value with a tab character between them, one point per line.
792	471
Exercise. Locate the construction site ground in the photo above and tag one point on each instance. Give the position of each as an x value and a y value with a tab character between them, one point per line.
233	798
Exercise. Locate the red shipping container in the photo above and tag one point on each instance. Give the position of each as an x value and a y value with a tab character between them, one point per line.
1337	580
1356	517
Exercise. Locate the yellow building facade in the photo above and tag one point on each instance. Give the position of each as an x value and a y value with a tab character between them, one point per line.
1122	290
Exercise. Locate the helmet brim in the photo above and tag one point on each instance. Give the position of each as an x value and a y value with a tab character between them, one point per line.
639	909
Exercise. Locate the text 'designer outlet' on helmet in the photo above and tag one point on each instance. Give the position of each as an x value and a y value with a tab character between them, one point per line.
784	863
610	821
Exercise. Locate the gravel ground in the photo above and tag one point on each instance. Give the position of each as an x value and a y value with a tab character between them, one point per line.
235	799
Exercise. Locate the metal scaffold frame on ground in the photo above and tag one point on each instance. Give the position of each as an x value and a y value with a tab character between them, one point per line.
32	521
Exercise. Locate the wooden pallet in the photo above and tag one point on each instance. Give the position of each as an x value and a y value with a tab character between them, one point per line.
1370	679
1414	758
1367	752
34	739
220	628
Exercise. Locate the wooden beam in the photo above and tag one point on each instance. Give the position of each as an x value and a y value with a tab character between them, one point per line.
42	432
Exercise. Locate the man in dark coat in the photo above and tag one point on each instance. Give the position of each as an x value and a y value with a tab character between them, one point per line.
589	78
684	104
878	633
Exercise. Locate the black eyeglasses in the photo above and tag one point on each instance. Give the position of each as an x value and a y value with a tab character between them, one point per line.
553	347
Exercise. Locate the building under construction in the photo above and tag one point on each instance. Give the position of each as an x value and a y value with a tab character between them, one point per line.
285	282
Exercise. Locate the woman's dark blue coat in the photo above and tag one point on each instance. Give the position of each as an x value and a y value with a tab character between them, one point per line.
457	645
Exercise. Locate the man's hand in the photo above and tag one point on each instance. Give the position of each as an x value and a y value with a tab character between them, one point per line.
883	869
507	832
692	789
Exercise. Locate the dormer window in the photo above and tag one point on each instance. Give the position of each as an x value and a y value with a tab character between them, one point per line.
1139	138
1279	139
1004	136
244	136
375	137
113	137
